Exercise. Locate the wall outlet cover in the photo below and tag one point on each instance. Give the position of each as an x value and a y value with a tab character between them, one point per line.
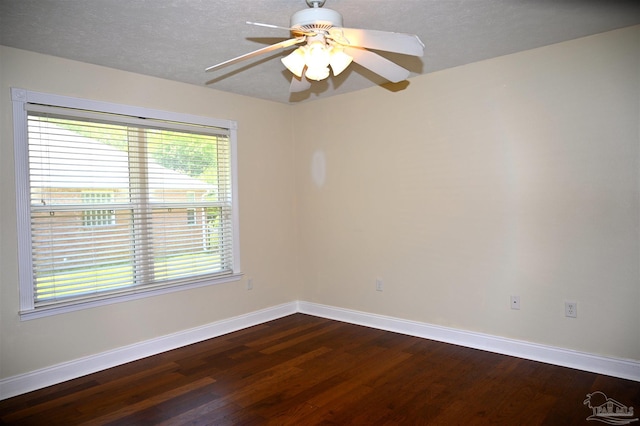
571	309
379	284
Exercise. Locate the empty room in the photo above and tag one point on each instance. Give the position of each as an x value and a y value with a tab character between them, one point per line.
308	212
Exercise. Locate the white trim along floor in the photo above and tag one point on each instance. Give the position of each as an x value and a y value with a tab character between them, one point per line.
16	385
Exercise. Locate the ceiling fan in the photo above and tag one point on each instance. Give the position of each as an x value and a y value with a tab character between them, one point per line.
327	44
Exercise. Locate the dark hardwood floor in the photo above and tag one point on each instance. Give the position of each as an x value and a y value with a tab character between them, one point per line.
304	370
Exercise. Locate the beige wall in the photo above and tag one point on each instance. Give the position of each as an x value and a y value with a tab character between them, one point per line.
513	176
517	175
266	216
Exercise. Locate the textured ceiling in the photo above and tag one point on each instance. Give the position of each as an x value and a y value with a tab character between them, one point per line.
178	39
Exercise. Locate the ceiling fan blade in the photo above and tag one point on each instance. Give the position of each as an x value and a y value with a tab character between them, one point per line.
379	65
407	44
260	24
278	27
299	84
271	48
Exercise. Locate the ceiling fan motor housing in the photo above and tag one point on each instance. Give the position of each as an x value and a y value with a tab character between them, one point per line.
316	18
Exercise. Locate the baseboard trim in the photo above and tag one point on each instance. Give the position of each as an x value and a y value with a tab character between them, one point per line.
23	383
622	368
59	373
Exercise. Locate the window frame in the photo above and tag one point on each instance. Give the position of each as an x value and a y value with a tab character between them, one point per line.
20	100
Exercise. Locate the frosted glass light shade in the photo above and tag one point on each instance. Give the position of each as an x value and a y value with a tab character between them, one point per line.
339	61
317	73
295	62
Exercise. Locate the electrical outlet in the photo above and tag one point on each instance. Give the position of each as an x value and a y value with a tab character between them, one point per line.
250	284
379	284
515	302
571	309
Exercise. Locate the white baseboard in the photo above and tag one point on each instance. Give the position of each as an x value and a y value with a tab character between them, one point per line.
16	385
59	373
616	367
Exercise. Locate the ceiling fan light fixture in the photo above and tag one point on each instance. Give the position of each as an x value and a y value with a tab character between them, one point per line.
317	56
295	62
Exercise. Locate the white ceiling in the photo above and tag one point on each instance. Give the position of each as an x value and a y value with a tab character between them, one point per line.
178	39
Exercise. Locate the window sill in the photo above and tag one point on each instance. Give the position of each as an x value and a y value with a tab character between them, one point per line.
111	299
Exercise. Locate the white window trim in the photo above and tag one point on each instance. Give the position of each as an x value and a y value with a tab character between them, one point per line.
21	97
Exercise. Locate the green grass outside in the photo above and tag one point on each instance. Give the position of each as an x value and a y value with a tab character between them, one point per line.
120	275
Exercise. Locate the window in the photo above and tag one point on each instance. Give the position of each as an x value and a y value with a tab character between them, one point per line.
103	192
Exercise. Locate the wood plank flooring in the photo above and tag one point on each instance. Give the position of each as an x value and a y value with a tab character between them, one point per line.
305	370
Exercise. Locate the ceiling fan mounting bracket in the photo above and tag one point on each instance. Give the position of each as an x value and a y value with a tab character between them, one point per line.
315	3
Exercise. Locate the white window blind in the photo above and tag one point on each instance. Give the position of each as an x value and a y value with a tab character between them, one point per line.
107	200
